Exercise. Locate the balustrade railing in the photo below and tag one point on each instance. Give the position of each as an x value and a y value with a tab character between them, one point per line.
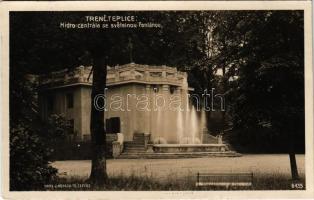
141	73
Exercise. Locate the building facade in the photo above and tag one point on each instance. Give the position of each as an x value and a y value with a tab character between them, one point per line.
139	99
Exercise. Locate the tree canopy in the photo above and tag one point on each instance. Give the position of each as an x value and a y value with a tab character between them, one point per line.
264	52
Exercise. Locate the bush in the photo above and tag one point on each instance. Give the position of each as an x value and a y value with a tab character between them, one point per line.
32	143
29	160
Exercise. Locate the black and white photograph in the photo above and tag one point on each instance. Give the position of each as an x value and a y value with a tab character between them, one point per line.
158	100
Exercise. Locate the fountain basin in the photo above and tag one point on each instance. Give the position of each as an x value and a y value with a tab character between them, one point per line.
180	148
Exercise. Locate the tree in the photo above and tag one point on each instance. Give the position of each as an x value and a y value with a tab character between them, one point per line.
30	152
263	53
98	172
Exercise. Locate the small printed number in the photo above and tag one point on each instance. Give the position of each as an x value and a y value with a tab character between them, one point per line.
297	186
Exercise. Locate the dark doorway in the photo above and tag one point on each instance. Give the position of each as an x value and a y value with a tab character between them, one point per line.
113	125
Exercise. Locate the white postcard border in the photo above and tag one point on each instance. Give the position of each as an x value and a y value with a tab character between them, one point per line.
153	5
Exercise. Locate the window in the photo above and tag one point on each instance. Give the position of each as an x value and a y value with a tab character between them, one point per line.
70	100
172	89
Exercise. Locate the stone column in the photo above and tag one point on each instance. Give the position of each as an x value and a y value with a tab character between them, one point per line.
166	119
149	112
165	92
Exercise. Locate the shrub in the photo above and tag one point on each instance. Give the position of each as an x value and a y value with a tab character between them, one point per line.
29	160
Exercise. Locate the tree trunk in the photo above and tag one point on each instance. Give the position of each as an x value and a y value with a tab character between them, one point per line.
98	174
293	162
293	165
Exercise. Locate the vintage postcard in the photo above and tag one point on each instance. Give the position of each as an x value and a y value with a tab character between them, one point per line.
155	100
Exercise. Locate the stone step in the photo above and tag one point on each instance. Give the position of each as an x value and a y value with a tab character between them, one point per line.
134	151
128	142
138	143
139	134
134	145
138	139
134	148
145	155
135	141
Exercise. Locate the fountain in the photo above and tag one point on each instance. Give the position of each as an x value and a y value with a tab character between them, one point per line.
180	133
176	133
189	135
180	124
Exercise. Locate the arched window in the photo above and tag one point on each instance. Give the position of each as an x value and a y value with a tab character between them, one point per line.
172	89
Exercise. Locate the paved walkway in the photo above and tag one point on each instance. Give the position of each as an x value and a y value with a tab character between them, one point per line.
272	164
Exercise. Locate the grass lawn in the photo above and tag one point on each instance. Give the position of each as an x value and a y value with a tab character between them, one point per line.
270	172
